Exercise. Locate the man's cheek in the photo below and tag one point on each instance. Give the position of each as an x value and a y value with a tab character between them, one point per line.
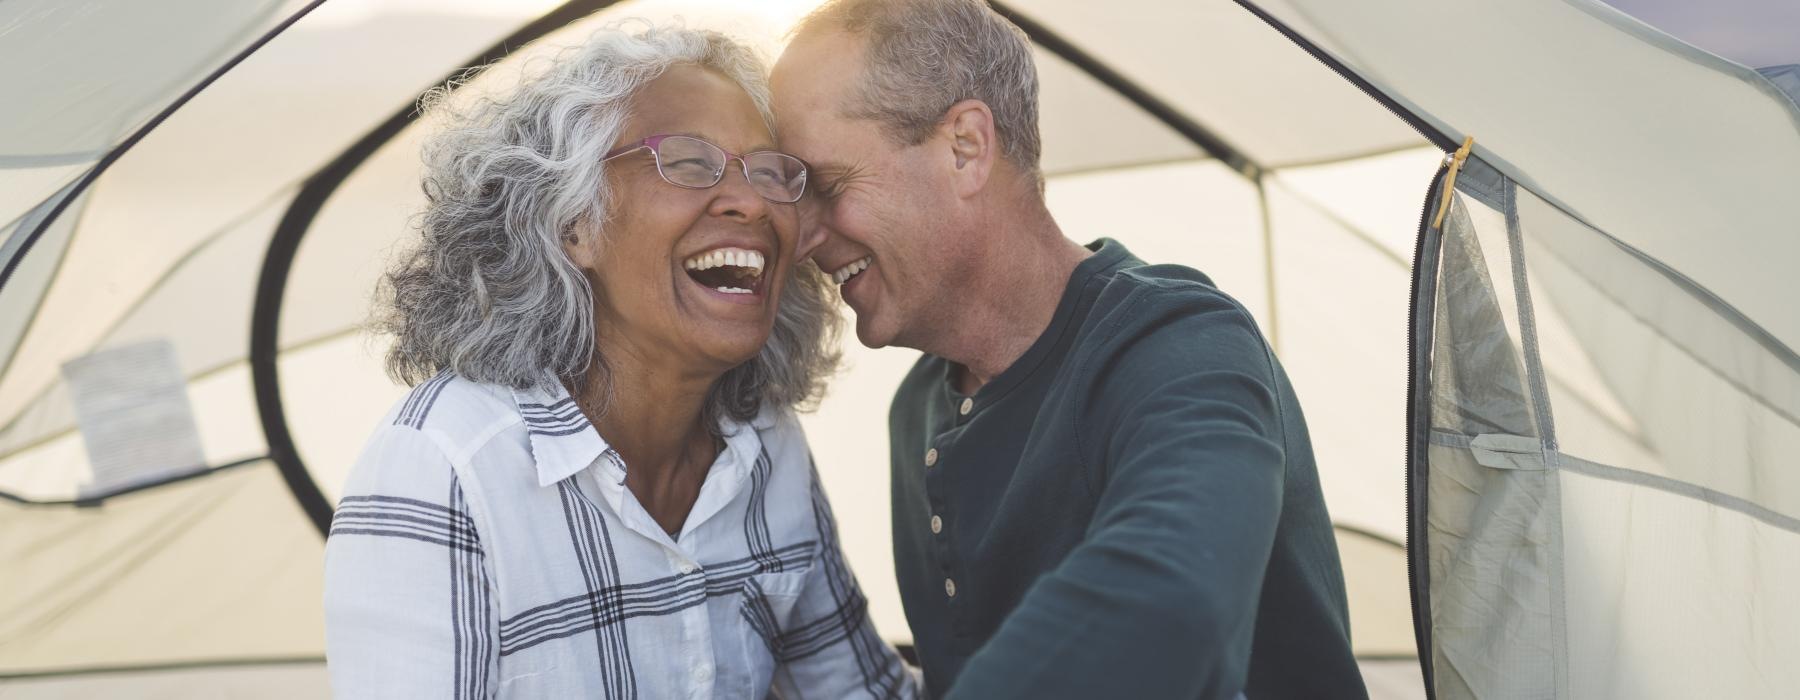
809	216
812	239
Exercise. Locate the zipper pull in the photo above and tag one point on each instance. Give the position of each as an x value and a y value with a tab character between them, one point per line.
1455	161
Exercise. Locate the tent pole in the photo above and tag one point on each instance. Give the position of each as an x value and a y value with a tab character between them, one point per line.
1208	141
265	319
74	191
1268	236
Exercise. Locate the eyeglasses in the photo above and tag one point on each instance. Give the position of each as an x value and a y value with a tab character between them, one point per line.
685	161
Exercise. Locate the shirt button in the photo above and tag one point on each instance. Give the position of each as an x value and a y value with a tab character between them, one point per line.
931	457
967	406
937	524
686	568
950	588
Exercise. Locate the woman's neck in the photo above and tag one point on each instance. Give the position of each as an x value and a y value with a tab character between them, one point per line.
651	413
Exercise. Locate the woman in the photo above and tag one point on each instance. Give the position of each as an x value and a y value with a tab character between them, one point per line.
597	487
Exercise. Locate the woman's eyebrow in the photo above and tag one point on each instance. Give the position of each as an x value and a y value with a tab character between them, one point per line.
764	146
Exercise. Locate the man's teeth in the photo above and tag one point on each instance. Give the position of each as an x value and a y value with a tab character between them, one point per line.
734	290
735	257
846	272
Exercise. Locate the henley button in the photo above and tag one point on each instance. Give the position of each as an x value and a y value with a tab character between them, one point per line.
931	457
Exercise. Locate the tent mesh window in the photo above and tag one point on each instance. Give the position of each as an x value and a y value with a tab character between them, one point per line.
1606	498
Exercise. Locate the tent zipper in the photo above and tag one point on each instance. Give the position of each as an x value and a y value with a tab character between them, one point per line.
1415	509
1418	589
1454	161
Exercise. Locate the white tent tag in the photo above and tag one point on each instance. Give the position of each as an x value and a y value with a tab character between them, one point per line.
136	423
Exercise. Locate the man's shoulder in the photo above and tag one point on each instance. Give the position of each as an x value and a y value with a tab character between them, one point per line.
1162	318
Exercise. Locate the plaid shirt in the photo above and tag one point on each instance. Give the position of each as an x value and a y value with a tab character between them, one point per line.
487	545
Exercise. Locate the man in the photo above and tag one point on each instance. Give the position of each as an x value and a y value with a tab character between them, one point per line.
1102	482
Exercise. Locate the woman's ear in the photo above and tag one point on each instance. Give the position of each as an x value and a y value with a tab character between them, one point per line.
579	243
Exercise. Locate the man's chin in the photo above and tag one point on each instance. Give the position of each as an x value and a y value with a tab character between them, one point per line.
870	333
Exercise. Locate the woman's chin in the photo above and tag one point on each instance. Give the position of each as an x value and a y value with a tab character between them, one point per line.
724	351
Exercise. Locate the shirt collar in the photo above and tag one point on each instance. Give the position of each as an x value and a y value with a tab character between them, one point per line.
1109	256
563	441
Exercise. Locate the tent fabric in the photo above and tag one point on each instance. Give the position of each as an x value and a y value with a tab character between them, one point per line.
1747	32
1586	287
1785	78
204	570
1611	487
282	679
1569	118
1270	113
89	72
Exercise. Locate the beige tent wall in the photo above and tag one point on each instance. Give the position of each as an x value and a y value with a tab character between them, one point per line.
221	567
1313	230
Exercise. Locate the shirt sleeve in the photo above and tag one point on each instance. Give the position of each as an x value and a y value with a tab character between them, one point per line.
409	610
1160	598
829	648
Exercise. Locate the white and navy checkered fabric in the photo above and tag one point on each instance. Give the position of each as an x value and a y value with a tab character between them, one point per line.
486	545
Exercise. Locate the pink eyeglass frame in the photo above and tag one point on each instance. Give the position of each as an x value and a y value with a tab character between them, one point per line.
654	142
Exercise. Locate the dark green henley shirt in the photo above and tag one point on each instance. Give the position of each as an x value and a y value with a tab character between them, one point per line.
1130	510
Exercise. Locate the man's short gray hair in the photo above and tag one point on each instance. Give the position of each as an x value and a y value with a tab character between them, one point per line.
926	55
489	294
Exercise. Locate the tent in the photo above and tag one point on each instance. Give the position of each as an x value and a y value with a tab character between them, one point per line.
1590	488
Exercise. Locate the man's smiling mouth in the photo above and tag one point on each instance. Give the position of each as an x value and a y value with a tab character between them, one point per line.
727	270
845	273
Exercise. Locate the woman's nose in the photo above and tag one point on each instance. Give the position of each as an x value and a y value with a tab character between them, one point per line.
735	198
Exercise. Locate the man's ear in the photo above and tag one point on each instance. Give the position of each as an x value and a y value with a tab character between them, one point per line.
969	127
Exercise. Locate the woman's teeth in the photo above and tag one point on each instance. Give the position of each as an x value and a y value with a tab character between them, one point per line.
846	272
727	257
728	270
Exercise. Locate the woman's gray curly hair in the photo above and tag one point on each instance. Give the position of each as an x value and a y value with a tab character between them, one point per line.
489	293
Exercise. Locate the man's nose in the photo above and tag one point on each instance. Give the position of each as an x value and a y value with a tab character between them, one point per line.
812	228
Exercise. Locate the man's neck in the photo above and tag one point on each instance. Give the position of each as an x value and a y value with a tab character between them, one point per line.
1022	283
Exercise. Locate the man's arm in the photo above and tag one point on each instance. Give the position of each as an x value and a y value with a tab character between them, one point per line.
1160	599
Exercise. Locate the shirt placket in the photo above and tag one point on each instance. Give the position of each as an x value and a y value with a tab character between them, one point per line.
938	465
696	633
697	665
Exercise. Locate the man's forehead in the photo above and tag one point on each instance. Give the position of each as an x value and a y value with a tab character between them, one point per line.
818	67
820	139
812	83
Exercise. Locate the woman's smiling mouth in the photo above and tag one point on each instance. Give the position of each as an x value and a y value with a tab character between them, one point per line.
728	270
